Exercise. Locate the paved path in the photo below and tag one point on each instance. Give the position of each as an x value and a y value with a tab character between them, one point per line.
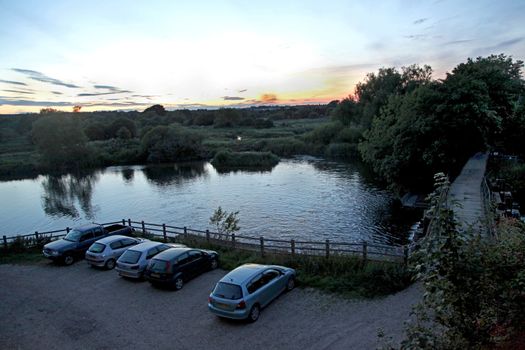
55	307
466	190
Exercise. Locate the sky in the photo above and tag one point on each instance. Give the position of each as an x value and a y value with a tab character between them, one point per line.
115	54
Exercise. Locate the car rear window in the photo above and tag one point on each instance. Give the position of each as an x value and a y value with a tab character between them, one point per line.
157	265
130	257
228	291
97	248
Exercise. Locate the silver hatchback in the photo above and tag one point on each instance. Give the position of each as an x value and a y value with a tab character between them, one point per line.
106	251
135	260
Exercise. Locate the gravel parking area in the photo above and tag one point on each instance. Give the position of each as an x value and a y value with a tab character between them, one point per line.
56	307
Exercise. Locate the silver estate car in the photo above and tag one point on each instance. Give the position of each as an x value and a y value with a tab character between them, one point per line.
106	251
243	292
135	260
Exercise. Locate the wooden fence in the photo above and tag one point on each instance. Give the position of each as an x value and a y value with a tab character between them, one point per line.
262	245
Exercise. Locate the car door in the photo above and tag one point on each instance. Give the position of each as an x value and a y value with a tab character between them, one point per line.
125	244
116	248
270	288
184	266
198	262
85	241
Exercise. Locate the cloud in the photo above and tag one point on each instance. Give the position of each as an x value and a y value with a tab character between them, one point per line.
6	101
109	87
502	45
455	42
13	82
20	92
102	93
268	98
56	92
232	98
416	36
419	21
243	90
33	74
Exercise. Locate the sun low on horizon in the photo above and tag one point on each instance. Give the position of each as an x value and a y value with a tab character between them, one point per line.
124	55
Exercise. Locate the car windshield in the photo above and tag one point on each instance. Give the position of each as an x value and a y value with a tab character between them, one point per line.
156	265
228	291
130	257
97	248
73	236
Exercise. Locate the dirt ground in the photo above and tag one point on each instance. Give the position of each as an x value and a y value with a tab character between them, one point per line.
56	307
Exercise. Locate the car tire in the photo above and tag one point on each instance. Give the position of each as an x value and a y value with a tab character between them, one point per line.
179	283
255	311
214	264
290	284
68	260
110	264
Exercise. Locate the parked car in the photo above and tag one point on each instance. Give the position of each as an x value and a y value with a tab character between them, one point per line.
106	251
79	239
243	292
133	262
174	267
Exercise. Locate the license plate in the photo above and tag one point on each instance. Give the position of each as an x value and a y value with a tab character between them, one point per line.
222	306
155	275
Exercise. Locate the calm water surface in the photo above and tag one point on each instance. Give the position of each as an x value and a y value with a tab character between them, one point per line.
299	198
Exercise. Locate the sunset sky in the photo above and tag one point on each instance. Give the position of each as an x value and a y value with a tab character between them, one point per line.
114	54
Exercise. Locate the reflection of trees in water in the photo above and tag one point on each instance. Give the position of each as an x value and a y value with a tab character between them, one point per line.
61	193
174	174
258	169
128	174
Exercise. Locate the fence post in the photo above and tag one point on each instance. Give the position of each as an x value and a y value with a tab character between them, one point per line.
365	251
129	222
405	253
262	246
233	240
327	248
68	229
164	232
123	222
292	245
208	236
185	232
5	242
36	235
143	227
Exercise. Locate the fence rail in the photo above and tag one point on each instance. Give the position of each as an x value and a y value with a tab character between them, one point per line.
261	245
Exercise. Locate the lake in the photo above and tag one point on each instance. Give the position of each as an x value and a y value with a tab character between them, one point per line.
301	198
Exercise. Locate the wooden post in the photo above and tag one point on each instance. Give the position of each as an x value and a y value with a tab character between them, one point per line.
405	251
68	229
129	222
292	246
327	248
123	222
5	242
365	251
164	232
233	240
262	246
208	236
143	227
36	235
185	232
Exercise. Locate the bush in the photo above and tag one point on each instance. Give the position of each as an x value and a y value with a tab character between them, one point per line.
228	159
346	151
171	144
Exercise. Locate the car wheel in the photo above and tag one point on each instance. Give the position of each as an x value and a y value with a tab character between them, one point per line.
179	283
110	264
290	284
255	311
68	260
214	264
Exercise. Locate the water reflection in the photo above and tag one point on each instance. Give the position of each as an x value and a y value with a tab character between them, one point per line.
128	174
62	194
175	174
254	170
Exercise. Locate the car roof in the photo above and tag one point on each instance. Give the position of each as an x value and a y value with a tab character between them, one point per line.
86	227
142	247
111	239
244	272
171	253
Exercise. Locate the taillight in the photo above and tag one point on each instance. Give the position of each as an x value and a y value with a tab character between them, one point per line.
241	305
209	299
